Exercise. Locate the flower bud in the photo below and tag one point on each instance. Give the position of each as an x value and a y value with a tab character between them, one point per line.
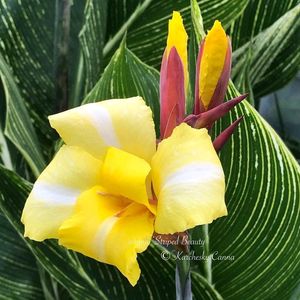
173	77
212	70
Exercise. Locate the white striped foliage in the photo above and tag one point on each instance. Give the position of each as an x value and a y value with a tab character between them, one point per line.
262	227
13	256
18	126
147	35
267	35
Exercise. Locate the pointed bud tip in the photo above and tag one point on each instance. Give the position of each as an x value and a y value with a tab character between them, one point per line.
238	120
244	96
207	118
217	24
177	37
224	136
217	27
239	99
176	15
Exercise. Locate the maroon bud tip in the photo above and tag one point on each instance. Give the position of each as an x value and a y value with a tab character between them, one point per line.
223	137
206	119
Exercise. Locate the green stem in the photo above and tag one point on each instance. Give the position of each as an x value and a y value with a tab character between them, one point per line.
183	271
183	280
207	262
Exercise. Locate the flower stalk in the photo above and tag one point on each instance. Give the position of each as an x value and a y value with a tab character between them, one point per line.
183	280
183	274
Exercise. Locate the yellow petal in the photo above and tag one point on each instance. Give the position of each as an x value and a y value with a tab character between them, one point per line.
212	62
54	194
126	124
177	37
188	181
125	174
110	230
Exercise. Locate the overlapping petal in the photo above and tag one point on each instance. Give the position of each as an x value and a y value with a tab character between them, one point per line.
188	181
126	124
54	194
127	175
109	229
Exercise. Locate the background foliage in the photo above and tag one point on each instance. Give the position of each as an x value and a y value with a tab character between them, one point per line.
58	54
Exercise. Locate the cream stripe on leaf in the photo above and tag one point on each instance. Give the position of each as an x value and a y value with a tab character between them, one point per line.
188	181
126	124
54	193
109	229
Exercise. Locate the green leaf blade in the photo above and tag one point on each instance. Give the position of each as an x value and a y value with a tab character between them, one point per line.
18	126
261	231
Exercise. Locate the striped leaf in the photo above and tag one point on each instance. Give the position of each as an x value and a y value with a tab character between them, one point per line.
27	47
92	38
16	284
256	17
18	126
268	47
147	21
261	231
31	44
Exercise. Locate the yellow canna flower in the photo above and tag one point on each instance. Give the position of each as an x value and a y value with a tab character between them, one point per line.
108	189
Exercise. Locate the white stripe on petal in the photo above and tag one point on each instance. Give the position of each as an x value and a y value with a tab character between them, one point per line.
54	194
194	173
103	230
101	120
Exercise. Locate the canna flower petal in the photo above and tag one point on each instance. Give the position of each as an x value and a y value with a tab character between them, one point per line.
114	231
54	194
96	126
125	174
213	69
188	181
177	37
